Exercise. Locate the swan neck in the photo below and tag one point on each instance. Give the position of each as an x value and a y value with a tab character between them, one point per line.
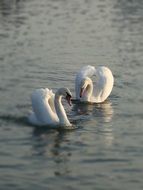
89	90
61	111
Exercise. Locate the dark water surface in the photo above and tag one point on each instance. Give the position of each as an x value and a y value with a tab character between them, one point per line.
43	44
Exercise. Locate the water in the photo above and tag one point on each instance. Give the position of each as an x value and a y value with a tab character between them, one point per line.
43	44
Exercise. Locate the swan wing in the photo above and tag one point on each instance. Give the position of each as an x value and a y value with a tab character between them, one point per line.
86	71
103	84
43	107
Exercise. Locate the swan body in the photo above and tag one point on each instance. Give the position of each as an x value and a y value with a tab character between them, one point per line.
48	109
97	93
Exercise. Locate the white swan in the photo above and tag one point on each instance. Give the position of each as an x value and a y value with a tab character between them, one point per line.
48	109
86	92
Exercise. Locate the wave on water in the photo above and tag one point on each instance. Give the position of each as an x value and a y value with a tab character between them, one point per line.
22	120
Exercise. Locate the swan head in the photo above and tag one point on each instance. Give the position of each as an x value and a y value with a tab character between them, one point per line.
65	92
86	88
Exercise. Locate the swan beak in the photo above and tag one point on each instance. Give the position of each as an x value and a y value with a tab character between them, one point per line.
81	92
68	98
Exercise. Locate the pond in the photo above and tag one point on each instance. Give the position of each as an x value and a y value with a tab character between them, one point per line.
43	44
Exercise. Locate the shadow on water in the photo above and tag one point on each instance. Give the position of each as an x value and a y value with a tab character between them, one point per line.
14	119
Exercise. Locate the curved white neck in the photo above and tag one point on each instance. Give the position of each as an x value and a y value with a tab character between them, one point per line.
88	92
92	94
61	111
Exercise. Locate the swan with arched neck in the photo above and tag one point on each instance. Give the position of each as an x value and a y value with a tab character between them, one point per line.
97	92
47	108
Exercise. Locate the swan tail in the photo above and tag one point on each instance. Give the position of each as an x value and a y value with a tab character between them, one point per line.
33	119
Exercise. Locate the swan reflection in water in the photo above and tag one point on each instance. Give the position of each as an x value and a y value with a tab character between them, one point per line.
102	111
98	117
54	145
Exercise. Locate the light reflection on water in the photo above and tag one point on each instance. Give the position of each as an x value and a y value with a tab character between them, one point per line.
43	44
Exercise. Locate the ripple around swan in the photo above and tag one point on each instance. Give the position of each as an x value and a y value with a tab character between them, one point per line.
106	160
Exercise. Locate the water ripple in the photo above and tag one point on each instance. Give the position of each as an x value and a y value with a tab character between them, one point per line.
44	44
